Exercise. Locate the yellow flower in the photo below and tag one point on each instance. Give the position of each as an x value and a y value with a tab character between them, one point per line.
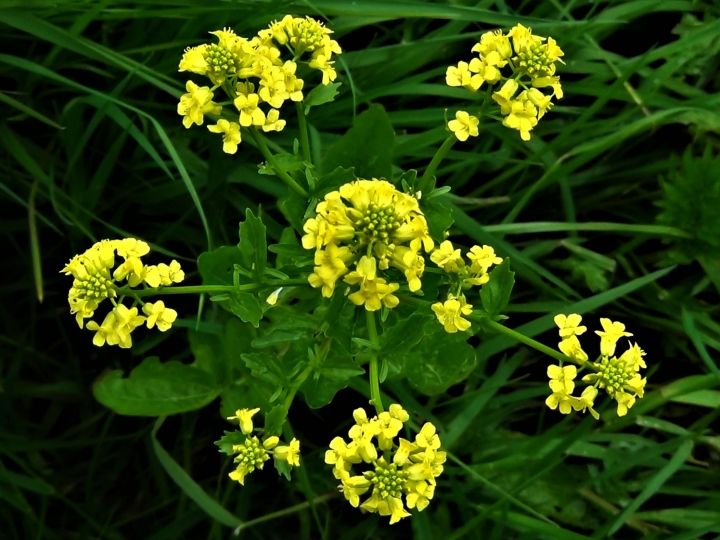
231	135
504	96
126	320
250	113
494	42
272	87
569	325
561	400
330	266
402	454
321	63
553	82
634	357
159	315
289	453
571	347
450	314
105	332
487	69
293	85
482	258
411	263
534	57
586	400
540	100
522	116
273	296
171	273
354	486
464	125
273	121
420	493
612	332
447	258
196	104
462	76
374	291
624	402
251	455
561	378
92	284
193	60
244	416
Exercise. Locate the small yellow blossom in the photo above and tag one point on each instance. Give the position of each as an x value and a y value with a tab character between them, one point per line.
273	121
193	60
158	314
273	296
462	76
321	63
610	334
561	378
104	333
464	125
231	135
560	400
624	402
569	325
450	314
504	96
570	346
482	258
170	273
196	104
126	320
250	113
522	116
244	416
289	453
586	401
251	455
374	291
448	258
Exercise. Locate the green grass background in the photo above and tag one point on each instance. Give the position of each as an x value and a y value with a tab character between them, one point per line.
92	148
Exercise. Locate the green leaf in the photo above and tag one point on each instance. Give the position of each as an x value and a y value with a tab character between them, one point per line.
274	420
283	468
332	181
438	362
439	218
220	354
253	244
156	389
323	93
404	335
495	294
230	439
329	377
289	249
241	304
218	266
287	162
293	207
367	146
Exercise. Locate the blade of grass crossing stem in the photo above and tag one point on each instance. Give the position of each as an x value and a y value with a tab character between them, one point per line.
694	335
503	494
543	530
662	476
28	110
40	70
462	420
544	323
188	485
35	244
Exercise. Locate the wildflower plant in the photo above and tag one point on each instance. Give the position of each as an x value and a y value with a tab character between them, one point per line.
363	278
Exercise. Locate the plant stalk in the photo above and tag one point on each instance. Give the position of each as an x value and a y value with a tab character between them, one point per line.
375	397
424	184
304	139
284	176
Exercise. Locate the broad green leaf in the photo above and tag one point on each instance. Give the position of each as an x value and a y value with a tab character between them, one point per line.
220	354
287	162
289	249
332	181
293	207
439	361
217	267
156	389
322	93
230	439
495	294
367	146
241	304
328	378
274	420
253	244
439	218
407	333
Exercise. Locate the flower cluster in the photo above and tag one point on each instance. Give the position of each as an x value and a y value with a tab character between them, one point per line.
529	61
252	72
398	467
450	312
373	226
619	377
250	452
95	280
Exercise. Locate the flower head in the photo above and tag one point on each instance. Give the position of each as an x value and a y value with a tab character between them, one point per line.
569	325
231	134
403	469
196	104
450	313
464	125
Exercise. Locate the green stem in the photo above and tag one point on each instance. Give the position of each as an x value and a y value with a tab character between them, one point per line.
199	289
287	511
375	397
304	139
524	339
295	387
424	184
284	176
